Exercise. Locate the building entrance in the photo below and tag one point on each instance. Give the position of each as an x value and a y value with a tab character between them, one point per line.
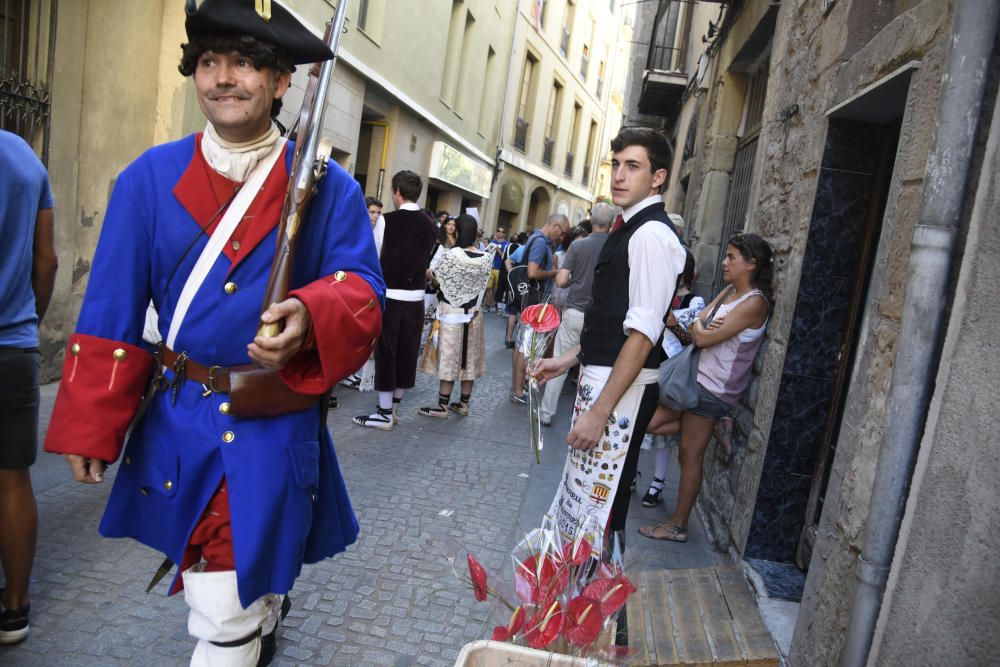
851	193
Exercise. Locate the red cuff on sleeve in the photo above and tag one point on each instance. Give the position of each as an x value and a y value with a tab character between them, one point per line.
346	321
102	384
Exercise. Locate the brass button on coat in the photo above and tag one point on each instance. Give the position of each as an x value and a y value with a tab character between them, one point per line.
128	460
230	288
228	436
74	349
236	246
167	485
224	409
371	305
120	354
340	276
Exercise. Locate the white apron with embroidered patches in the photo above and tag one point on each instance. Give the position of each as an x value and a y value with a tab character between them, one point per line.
591	478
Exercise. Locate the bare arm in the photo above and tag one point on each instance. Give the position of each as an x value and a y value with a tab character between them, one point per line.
589	426
44	261
751	313
536	272
563	278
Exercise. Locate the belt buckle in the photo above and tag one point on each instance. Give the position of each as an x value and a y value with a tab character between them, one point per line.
211	379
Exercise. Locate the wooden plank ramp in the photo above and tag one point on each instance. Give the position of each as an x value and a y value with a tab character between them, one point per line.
697	618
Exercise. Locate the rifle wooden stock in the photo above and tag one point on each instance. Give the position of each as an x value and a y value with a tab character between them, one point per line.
308	169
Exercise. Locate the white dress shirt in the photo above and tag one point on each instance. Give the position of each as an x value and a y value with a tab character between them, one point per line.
655	259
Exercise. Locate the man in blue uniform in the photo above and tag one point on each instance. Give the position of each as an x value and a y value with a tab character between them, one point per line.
238	502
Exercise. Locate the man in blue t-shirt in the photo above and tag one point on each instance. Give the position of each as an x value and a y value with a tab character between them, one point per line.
538	256
27	275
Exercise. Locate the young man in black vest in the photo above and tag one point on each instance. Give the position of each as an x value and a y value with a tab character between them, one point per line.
407	243
634	281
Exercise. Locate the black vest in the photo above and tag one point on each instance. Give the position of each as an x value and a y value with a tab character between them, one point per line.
406	249
602	337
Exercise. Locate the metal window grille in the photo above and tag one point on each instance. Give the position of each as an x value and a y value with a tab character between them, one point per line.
521	134
28	29
547	152
741	179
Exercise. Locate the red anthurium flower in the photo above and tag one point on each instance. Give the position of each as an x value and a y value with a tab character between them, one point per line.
540	579
611	593
545	626
478	576
583	620
541	317
502	633
576	552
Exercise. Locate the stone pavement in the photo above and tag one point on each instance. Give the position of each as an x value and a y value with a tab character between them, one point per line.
425	491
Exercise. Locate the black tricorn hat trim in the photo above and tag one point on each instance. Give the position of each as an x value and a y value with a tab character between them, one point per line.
239	17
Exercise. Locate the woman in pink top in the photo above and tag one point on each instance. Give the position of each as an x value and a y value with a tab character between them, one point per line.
729	345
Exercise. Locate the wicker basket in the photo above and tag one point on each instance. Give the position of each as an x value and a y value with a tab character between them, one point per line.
486	653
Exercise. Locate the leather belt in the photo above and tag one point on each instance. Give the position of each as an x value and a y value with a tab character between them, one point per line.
253	392
214	378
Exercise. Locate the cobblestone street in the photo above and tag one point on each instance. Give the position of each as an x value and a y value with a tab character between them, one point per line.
421	492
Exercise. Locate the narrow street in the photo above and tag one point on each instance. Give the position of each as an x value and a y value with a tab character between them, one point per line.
421	493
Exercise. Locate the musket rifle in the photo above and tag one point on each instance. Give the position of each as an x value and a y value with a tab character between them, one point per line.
308	169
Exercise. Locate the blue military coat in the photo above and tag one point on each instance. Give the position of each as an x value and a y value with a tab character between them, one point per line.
288	501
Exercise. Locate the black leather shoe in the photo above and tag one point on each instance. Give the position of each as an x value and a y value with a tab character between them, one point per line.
269	642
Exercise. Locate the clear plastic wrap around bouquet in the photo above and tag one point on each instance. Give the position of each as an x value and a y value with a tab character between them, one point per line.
538	325
567	595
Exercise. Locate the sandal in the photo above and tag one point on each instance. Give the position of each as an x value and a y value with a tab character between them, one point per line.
352	381
653	495
380	419
462	405
333	402
667	532
440	411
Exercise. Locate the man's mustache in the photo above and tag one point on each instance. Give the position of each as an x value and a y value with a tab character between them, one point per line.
238	94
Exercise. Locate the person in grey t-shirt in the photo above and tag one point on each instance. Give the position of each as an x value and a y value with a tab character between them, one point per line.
576	273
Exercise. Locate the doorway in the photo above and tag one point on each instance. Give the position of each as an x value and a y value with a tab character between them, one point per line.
851	192
538	209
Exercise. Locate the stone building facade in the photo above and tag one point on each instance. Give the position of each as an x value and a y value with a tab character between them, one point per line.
813	124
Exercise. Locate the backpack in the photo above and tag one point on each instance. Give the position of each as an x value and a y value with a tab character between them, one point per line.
527	290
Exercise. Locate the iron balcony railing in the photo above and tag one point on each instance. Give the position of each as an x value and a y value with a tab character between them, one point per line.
664	58
584	66
547	152
586	174
521	134
569	165
564	42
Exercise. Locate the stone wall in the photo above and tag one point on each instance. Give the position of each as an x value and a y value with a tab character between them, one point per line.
106	109
919	34
816	63
942	605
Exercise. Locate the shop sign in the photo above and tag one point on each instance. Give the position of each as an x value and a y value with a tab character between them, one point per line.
452	167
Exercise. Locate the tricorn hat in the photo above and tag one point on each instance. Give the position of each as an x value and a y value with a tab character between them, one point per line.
261	19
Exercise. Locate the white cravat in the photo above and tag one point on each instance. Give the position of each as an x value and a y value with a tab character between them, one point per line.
235	161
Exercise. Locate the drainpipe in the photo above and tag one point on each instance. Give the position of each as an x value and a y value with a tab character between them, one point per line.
385	148
921	333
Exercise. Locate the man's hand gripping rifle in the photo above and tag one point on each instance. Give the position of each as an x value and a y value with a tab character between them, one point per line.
308	168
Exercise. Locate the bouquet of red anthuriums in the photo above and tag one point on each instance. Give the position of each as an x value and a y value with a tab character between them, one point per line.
539	323
568	594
